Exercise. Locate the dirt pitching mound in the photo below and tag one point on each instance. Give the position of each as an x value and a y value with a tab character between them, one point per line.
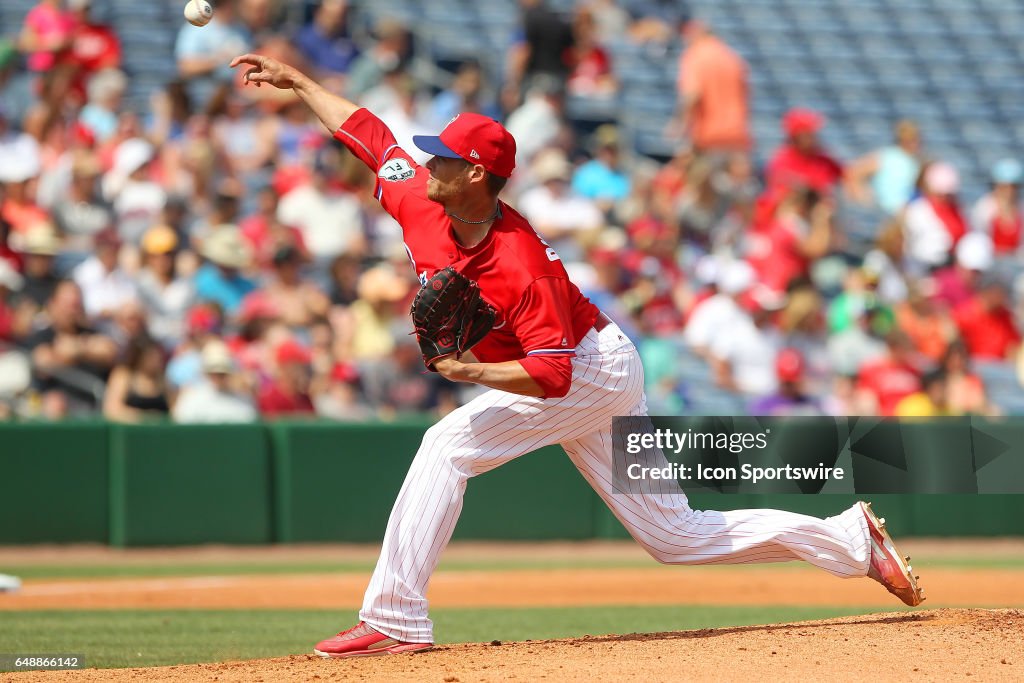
943	644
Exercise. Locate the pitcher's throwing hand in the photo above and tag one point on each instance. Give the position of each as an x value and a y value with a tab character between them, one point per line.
267	70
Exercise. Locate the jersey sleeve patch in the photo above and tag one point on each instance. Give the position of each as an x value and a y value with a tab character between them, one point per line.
396	170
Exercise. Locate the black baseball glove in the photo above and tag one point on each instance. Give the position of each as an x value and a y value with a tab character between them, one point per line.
449	315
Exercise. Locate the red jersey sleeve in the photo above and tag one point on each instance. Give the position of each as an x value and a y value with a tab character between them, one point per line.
544	327
398	174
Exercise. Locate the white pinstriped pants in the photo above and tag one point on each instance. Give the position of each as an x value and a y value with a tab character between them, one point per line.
498	426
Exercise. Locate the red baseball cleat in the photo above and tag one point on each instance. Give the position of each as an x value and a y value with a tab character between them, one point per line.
887	565
363	641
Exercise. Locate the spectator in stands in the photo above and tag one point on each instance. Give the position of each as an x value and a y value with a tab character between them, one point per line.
260	20
329	219
70	360
790	398
105	95
999	213
137	390
538	122
224	209
129	323
930	401
699	208
371	322
215	400
389	53
220	280
39	247
81	213
933	223
105	286
716	315
804	330
265	233
21	166
565	220
13	326
287	395
543	49
603	179
203	53
590	65
926	323
403	115
884	382
885	260
802	160
137	199
326	42
965	392
202	323
343	288
300	301
860	343
713	93
244	138
743	358
94	46
887	177
398	386
47	36
465	93
956	284
860	291
800	232
340	398
986	322
166	296
170	110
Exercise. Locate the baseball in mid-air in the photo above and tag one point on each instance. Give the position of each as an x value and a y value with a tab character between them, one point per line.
198	12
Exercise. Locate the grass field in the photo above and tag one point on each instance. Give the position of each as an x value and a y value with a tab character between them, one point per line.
117	638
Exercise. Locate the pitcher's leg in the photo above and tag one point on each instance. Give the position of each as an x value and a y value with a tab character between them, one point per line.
673	533
424	516
485	433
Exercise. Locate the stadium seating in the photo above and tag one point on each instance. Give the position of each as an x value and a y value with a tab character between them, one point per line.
951	65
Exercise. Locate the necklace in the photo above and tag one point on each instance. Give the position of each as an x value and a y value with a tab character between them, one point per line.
497	212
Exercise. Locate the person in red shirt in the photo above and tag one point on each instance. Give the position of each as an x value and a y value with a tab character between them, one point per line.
802	161
94	47
288	394
560	370
986	322
883	383
800	232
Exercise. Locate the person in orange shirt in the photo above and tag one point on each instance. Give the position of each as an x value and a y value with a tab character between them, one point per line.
713	93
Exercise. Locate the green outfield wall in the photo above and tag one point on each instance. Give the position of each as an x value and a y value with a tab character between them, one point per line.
328	482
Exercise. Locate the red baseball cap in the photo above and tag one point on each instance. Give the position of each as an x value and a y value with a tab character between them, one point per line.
802	121
475	138
789	365
291	351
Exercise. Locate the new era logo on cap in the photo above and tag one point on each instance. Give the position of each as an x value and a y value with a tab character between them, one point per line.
475	138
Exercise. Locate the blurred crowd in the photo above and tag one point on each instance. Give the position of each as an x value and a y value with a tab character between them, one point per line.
216	257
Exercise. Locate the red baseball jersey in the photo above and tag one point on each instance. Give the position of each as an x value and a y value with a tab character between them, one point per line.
541	314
